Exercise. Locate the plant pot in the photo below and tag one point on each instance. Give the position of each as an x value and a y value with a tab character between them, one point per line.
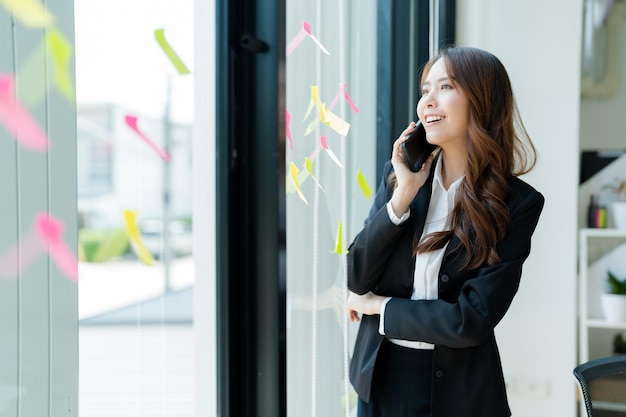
619	214
614	307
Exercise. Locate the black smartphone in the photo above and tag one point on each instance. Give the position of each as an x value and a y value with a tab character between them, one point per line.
416	148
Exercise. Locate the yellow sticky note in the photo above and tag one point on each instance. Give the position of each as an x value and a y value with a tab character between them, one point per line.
365	188
311	127
312	102
339	241
293	169
61	54
135	238
336	123
171	54
308	164
31	13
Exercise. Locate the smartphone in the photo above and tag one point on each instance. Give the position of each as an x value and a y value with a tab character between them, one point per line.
416	148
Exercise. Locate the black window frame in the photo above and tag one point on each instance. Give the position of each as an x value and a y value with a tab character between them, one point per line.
250	173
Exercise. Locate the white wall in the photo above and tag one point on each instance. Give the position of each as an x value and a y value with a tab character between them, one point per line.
539	42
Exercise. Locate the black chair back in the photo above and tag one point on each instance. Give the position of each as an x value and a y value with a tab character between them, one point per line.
603	386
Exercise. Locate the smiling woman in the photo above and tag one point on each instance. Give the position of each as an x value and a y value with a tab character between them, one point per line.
438	262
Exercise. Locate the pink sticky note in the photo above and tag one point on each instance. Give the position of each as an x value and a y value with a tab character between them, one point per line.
131	121
300	36
293	44
46	234
344	87
343	92
288	127
50	232
23	253
315	152
17	120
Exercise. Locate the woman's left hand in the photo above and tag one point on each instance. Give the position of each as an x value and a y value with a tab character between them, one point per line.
369	304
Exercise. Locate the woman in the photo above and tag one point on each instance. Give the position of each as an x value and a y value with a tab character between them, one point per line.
439	259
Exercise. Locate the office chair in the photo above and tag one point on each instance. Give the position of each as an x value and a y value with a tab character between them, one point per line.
603	386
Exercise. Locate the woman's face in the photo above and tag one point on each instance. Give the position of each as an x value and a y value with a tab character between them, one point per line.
443	109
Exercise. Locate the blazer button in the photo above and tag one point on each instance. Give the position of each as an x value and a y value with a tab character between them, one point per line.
445	278
439	373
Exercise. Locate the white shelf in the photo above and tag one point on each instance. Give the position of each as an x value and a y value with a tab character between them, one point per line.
595	333
584	233
603	324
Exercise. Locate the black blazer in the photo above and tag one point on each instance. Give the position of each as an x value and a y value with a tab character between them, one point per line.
467	377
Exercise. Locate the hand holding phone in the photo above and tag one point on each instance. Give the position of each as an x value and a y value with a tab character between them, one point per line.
416	148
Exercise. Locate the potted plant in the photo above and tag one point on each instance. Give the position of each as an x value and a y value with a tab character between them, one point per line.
618	207
619	345
614	301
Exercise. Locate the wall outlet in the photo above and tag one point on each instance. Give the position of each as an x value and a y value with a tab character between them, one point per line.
528	387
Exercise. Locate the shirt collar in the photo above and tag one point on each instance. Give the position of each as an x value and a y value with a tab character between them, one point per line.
438	179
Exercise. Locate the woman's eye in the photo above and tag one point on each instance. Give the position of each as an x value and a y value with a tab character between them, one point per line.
424	92
446	86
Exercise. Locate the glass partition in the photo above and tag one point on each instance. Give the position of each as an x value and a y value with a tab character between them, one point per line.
330	165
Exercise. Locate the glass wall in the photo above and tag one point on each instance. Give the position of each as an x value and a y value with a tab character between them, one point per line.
330	165
134	61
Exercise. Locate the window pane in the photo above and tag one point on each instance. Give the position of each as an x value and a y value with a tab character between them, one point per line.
331	104
134	200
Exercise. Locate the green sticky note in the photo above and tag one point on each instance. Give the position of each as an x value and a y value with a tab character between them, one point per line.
171	54
365	188
339	242
61	55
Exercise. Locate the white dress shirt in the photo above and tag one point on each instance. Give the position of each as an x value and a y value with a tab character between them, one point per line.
427	265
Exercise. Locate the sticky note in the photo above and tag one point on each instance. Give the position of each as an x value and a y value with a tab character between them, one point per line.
23	253
131	121
50	231
293	169
61	52
325	116
30	13
302	34
178	63
132	230
363	185
330	152
343	91
288	128
308	164
17	120
339	240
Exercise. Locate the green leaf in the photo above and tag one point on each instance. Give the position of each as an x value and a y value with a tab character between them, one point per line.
616	286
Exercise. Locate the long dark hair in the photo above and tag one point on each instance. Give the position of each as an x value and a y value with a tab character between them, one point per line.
498	146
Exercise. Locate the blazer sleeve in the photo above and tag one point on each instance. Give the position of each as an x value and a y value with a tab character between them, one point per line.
369	253
483	299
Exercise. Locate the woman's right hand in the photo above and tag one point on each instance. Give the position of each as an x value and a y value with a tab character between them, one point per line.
408	182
